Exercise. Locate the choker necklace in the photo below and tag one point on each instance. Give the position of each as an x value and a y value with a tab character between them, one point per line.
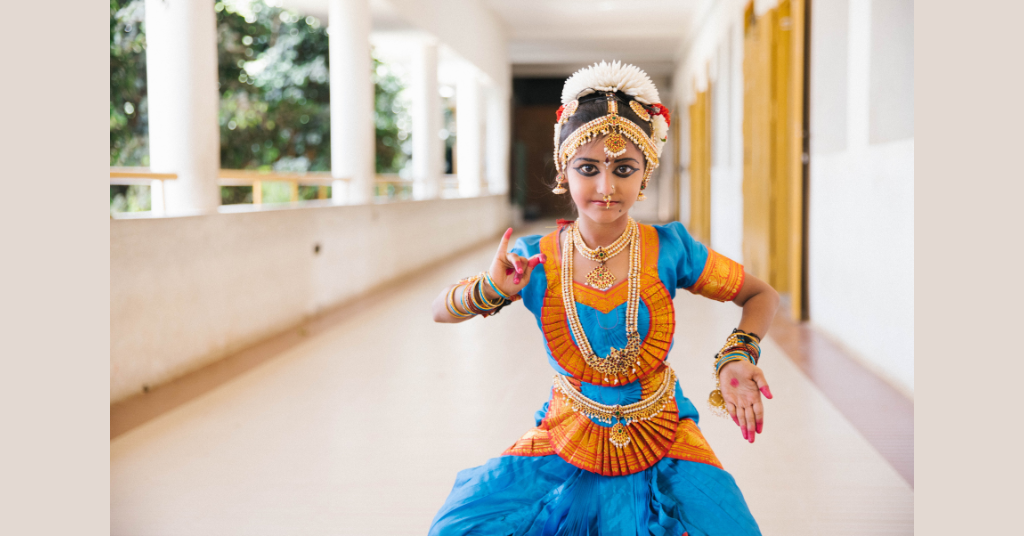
601	278
619	361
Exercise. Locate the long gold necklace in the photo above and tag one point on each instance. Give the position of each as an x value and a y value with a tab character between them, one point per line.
601	277
619	361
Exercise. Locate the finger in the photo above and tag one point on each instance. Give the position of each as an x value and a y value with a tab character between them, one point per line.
731	408
762	384
534	261
759	416
503	245
517	262
742	416
751	426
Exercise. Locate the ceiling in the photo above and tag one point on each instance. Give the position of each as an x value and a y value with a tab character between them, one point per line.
557	37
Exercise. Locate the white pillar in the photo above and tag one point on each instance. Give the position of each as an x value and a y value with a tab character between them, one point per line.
352	103
427	145
184	137
498	136
468	127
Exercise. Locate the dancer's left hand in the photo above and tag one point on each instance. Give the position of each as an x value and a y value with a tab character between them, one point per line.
742	385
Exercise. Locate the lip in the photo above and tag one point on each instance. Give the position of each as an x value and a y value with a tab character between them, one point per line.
599	202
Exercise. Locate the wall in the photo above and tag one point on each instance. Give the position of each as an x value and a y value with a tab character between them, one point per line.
861	199
861	191
188	291
714	54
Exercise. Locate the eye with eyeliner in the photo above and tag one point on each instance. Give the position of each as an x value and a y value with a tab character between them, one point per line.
587	170
625	170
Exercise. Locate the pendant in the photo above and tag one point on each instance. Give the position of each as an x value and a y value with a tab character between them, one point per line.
601	278
619	437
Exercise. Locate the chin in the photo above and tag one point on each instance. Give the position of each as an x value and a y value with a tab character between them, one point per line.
602	215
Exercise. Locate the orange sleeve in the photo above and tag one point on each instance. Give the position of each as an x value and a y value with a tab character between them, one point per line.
721	279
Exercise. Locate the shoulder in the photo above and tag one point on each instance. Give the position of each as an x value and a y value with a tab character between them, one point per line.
673	232
527	245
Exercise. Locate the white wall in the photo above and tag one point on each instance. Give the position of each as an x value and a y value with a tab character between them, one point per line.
714	54
188	291
861	199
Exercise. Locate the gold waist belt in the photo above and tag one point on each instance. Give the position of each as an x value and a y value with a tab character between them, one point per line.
621	415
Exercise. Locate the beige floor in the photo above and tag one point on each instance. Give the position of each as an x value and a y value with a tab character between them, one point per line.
361	430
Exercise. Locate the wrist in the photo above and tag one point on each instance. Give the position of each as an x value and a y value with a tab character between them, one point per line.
490	294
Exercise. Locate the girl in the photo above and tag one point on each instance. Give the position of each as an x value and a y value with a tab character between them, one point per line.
616	449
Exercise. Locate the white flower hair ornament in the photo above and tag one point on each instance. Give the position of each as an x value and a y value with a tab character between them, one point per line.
609	80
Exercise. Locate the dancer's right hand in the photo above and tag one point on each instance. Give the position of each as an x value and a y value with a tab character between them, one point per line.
509	271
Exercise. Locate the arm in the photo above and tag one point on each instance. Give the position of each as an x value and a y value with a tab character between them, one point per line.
509	271
741	382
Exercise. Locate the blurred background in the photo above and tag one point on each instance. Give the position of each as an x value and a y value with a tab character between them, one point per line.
292	180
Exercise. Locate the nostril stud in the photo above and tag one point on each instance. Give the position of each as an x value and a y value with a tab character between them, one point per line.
316	249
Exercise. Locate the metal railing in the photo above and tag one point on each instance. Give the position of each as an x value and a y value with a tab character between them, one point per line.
386	186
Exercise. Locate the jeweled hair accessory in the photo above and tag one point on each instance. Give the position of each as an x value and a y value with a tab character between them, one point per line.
608	79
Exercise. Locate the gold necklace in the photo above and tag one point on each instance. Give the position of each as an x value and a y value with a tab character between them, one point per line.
601	277
619	361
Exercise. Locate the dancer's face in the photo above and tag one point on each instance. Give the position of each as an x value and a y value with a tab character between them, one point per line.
603	188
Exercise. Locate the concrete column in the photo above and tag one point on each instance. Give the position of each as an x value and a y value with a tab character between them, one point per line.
468	126
181	73
427	145
498	136
352	103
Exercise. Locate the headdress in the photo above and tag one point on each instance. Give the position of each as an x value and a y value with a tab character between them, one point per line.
617	84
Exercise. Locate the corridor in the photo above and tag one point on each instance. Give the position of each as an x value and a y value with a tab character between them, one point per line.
362	426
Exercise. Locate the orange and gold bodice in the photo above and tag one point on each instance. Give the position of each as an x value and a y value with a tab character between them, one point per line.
669	432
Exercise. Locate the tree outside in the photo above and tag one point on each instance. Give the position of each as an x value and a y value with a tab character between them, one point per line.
274	99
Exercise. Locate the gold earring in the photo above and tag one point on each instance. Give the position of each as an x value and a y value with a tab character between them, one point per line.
559	189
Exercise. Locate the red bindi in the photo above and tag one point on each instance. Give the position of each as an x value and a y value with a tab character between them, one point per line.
734	382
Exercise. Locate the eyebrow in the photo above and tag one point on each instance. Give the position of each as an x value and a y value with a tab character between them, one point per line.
585	159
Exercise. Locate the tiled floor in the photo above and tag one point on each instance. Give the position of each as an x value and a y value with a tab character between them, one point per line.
360	429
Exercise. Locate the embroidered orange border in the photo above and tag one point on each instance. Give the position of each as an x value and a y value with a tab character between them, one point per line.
721	279
690	445
653	293
584	444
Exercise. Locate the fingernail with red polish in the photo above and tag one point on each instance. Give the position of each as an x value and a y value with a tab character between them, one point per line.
760	426
735	420
752	436
766	392
744	430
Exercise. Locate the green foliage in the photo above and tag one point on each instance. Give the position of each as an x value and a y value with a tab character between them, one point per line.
129	145
392	119
274	97
274	108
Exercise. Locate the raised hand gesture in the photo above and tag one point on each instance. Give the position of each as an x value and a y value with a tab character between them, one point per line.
511	272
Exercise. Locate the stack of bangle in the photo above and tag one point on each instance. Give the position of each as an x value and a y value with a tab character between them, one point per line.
739	346
474	300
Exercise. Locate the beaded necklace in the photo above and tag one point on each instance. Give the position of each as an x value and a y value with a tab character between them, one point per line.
601	278
619	361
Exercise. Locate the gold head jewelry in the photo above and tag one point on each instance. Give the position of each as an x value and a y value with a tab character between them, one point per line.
640	110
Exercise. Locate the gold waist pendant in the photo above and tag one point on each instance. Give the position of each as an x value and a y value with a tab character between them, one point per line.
619	361
622	416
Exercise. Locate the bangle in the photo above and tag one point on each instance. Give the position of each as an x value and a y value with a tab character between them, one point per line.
497	291
452	307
